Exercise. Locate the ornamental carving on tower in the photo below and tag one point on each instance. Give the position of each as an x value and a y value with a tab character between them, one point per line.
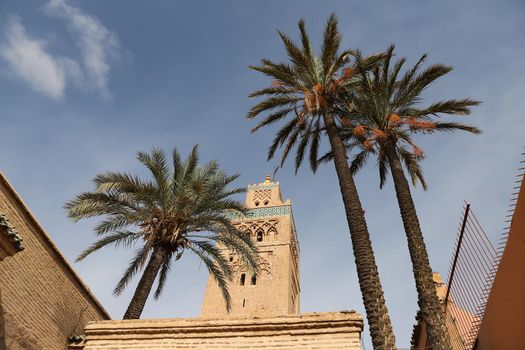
268	228
264	266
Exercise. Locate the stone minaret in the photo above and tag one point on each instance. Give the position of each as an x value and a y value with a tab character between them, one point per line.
275	291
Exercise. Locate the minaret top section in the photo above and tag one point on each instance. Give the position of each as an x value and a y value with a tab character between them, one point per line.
265	194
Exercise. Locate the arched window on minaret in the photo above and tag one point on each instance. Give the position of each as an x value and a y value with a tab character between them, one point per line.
272	232
243	279
254	280
259	236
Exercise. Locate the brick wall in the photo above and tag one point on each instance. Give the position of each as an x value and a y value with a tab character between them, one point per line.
43	301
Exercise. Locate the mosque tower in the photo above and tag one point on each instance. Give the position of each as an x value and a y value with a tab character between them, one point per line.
275	290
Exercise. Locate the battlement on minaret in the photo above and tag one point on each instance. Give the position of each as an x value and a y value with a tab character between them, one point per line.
265	194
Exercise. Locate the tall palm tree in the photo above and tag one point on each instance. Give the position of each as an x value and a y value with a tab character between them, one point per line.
381	118
306	90
182	208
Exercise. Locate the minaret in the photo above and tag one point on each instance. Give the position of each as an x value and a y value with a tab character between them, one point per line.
275	290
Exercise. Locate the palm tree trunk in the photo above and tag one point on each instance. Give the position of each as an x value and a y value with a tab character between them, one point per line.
143	289
372	292
431	309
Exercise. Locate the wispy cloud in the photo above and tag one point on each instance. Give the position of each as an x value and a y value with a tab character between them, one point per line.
31	59
96	43
28	59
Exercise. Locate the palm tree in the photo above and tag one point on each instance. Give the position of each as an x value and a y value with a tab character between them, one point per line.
381	118
306	90
183	208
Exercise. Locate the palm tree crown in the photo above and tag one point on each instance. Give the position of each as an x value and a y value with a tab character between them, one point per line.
306	89
182	208
385	113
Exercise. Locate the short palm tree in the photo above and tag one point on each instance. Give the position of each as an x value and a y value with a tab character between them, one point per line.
183	208
381	118
306	91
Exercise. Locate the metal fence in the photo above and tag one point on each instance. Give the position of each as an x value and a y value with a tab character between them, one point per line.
472	272
470	279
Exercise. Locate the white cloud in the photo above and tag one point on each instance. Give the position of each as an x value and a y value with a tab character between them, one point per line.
28	59
31	60
96	43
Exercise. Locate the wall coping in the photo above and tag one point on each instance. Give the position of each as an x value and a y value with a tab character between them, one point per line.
309	323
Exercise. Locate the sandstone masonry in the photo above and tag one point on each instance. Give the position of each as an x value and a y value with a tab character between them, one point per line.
42	300
327	331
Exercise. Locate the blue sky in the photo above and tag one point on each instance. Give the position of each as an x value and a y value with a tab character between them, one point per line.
84	85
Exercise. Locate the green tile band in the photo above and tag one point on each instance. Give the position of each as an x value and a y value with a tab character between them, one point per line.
261	213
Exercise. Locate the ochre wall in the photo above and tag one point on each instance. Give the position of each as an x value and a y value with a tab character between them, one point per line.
326	331
503	324
43	301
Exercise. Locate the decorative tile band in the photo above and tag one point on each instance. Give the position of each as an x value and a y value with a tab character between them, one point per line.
10	232
263	187
261	213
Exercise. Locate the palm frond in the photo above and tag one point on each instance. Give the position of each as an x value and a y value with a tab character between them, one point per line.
274	90
163	275
331	43
451	126
216	272
299	154
178	168
141	255
272	118
272	103
190	165
294	53
307	49
359	161
281	137
314	147
409	93
113	223
382	164
120	238
278	71
91	204
292	139
413	167
158	166
451	107
122	182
